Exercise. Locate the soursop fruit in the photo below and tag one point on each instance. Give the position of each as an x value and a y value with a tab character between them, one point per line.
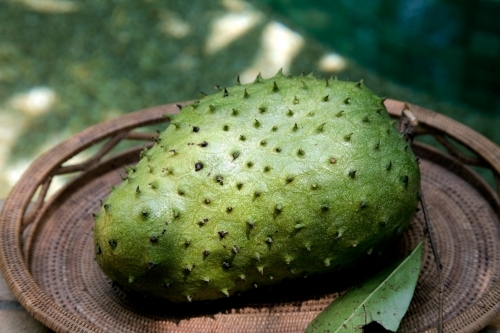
257	183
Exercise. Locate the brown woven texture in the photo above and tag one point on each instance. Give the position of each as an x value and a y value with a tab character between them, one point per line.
47	257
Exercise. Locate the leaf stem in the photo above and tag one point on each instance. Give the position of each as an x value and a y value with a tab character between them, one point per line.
437	260
408	127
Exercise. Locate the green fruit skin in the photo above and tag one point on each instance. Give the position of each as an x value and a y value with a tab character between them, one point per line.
273	180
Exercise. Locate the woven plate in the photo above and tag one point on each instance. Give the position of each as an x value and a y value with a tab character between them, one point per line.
47	255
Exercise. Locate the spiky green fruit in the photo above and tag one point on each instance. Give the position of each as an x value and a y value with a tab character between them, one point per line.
258	183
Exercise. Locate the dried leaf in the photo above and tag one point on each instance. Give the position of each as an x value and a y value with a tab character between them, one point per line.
383	299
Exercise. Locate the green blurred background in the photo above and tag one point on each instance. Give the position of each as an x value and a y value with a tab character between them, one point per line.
68	64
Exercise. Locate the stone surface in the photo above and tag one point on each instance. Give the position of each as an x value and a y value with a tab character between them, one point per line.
19	321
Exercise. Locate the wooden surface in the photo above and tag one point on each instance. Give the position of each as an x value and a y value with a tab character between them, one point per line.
14	319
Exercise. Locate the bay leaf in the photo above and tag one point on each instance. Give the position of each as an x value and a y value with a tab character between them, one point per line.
383	298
